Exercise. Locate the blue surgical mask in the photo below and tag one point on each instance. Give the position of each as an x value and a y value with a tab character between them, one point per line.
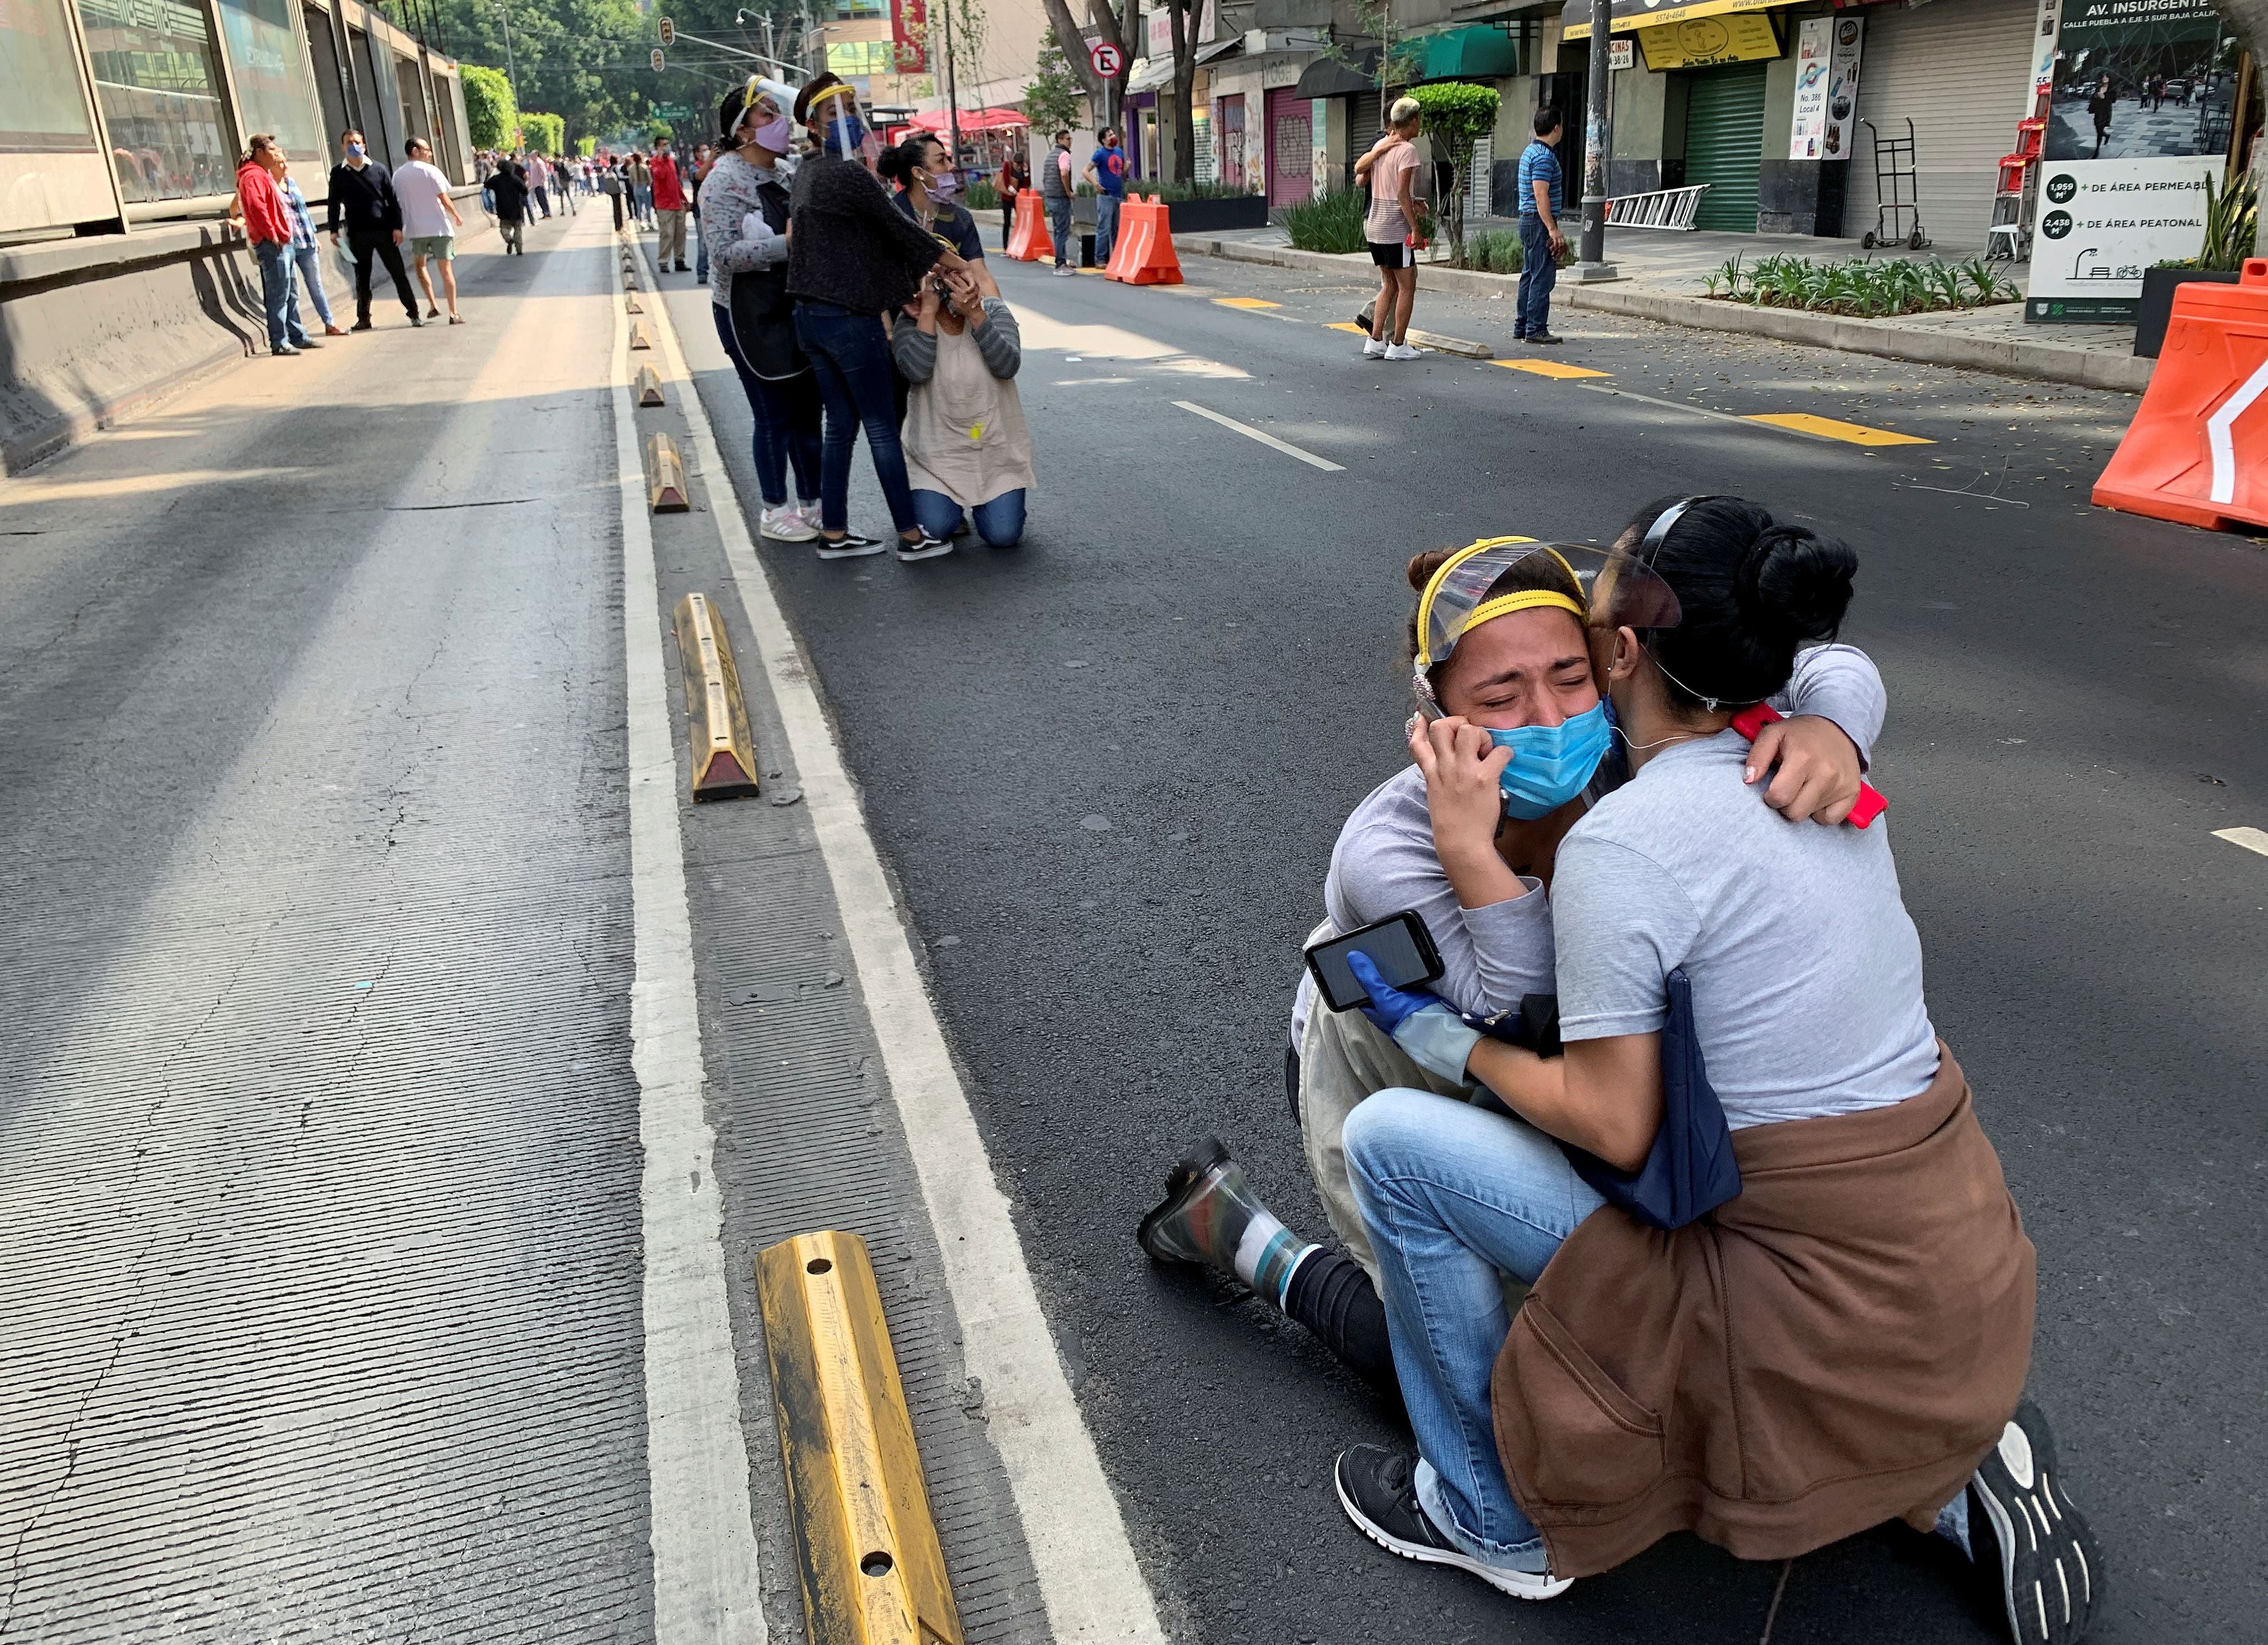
355	151
845	136
1551	764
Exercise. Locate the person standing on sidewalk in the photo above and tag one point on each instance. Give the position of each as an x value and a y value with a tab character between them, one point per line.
307	255
539	183
1541	242
362	196
1015	177
641	181
1390	227
611	185
1106	169
510	190
669	213
705	161
1055	188
853	257
267	224
430	217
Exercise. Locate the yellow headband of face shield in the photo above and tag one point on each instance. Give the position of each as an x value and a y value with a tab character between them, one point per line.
1488	610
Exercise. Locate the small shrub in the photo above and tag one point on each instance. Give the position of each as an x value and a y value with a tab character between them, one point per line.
1866	287
1495	251
982	196
1332	224
1151	188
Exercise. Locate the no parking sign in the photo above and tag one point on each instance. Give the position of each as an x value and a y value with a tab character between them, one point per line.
1105	59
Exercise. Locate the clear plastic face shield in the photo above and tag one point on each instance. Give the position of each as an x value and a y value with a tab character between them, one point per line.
845	134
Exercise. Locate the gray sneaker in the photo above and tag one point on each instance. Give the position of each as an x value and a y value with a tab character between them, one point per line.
2028	1537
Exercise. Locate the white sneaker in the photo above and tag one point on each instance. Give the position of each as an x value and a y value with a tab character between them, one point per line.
786	525
1372	350
1065	269
1401	351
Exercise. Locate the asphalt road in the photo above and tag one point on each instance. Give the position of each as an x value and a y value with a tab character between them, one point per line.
1109	767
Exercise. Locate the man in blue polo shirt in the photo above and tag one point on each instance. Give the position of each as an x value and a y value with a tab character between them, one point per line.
1107	170
1541	242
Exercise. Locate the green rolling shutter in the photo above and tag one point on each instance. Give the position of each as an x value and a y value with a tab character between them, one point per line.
1724	145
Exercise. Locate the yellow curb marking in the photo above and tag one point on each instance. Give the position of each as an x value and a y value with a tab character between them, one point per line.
1552	368
1246	302
1831	428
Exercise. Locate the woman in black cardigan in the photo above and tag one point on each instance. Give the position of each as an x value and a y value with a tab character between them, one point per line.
853	257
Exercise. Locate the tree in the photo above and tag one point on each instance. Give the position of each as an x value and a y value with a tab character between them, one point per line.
1118	28
1185	82
1052	97
585	60
490	113
543	134
1458	114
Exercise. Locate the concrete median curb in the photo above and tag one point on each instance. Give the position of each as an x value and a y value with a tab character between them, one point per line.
2047	362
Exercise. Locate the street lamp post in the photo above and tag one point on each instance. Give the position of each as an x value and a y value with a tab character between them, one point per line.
1598	141
510	73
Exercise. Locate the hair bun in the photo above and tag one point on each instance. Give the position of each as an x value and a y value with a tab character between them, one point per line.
1796	581
1422	566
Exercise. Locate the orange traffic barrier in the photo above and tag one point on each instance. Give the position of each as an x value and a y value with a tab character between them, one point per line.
1142	254
1029	240
2197	450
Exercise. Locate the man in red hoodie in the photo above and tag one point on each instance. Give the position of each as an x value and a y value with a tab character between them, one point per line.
669	212
267	226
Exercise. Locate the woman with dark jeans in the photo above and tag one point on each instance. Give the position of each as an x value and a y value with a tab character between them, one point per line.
853	257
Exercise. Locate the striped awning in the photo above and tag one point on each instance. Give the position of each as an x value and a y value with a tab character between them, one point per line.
1629	16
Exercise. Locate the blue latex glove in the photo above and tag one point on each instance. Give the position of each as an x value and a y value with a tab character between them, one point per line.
1430	1034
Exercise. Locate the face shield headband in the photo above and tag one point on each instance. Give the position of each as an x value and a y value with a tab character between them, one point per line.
1648	551
845	131
1456	600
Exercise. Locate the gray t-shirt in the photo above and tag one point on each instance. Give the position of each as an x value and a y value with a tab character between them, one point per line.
1384	861
1806	968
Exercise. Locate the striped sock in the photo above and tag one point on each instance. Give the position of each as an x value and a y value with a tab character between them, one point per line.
1267	1252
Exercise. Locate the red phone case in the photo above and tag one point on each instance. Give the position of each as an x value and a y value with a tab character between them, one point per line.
1870	803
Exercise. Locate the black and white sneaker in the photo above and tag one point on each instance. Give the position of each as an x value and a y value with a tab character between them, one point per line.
924	548
850	546
1379	1490
2023	1524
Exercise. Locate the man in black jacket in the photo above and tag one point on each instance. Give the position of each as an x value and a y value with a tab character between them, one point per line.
362	193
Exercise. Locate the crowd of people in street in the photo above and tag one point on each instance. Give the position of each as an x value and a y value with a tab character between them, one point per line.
851	291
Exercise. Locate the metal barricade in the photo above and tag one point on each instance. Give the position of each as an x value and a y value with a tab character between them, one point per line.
1663	209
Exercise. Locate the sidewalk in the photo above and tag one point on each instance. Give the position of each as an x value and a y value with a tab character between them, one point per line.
1662	280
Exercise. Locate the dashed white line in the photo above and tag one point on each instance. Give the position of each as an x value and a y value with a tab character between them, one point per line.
1264	438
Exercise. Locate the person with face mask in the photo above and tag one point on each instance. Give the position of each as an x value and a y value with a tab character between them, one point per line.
1510	747
854	257
929	191
745	218
1843	1340
363	199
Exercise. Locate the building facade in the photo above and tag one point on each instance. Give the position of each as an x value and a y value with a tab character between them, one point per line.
119	112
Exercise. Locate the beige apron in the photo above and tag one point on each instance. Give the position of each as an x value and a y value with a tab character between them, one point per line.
965	433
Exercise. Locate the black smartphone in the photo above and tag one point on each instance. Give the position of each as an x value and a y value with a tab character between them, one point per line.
1400	946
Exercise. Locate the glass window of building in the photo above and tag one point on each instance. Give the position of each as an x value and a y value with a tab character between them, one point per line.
273	90
159	80
860	10
862	56
51	165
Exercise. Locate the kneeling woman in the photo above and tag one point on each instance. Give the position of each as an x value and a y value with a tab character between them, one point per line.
1842	1342
967	447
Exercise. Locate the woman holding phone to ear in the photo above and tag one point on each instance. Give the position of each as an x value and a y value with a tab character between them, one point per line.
1511	746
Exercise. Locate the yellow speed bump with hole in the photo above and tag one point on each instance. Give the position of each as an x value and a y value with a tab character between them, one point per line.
648	387
665	476
873	1571
723	748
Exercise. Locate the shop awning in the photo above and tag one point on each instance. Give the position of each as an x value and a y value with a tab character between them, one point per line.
1632	15
1155	74
1475	53
1220	49
971	119
1329	77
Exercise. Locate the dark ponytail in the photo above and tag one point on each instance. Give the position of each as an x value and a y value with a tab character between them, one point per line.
898	164
1750	590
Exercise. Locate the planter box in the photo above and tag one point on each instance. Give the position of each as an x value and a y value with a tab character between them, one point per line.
2157	309
1200	217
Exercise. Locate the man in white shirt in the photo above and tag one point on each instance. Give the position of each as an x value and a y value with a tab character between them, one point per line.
427	215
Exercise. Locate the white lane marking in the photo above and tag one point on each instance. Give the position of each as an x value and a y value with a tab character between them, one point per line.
2217	433
1705	411
1089	1579
702	1531
1265	439
2251	839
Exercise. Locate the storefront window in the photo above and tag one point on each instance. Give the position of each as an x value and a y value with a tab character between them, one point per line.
43	109
273	91
160	85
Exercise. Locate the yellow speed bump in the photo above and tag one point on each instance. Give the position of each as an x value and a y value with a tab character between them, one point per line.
1835	429
1552	368
724	750
648	387
638	338
665	476
873	1571
1246	302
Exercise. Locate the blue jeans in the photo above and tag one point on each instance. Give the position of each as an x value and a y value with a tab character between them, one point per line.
1000	522
279	294
1539	272
787	424
1451	1194
309	261
1106	226
850	357
1059	225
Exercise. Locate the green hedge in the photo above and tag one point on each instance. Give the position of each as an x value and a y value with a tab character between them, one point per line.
544	134
491	112
1333	223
